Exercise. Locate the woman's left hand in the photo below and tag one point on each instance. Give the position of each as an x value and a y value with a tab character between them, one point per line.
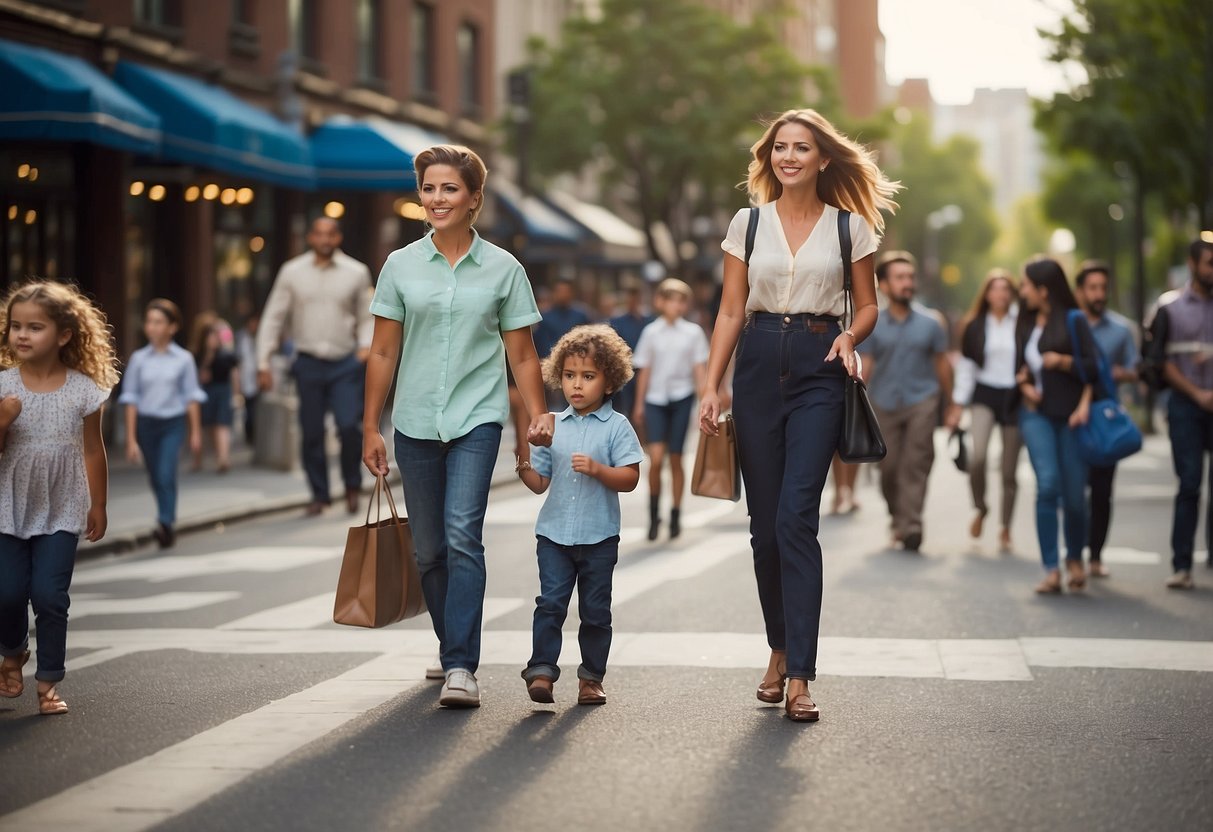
844	348
541	430
1081	415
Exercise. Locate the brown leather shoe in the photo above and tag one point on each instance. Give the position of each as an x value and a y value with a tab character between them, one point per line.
590	693
315	508
540	690
1051	585
802	709
351	500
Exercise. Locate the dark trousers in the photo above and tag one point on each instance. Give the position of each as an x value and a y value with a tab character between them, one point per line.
250	418
589	568
788	411
1191	429
1099	513
330	386
37	571
160	443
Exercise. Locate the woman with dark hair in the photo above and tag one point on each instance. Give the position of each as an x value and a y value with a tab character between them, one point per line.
985	384
450	310
1055	401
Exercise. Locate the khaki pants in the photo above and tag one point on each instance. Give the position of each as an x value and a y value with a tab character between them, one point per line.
981	425
909	434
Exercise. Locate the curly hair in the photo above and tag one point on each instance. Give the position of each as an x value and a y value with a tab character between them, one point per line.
597	342
91	347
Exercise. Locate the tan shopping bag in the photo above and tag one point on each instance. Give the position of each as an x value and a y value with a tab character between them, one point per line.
379	582
717	470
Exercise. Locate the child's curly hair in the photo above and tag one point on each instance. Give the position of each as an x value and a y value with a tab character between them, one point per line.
91	347
597	342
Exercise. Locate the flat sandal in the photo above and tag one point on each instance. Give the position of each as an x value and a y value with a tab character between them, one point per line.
802	709
13	678
50	702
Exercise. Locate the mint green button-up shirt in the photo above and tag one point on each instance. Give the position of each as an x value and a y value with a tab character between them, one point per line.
451	376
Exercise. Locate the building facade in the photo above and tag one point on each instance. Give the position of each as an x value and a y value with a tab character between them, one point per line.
206	211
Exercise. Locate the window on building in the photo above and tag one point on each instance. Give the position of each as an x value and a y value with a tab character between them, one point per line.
467	44
243	38
302	20
370	40
162	13
242	12
423	51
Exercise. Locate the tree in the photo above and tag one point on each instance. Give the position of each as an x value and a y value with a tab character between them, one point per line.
936	176
664	99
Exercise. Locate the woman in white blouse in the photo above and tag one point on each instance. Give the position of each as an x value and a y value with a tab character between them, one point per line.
985	383
782	312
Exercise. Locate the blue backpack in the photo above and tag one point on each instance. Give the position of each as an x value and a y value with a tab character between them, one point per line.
1109	434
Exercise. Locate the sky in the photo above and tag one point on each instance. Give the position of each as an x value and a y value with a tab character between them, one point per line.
961	45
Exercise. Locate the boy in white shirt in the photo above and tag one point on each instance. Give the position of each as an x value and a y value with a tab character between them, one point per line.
671	360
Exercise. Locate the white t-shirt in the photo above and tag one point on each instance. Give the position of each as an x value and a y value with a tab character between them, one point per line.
998	369
670	351
1033	358
810	280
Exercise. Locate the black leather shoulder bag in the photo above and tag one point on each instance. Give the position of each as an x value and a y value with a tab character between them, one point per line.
861	440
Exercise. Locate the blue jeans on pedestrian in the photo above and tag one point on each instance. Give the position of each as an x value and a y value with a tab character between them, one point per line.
589	567
37	571
787	405
1191	430
446	493
1061	480
160	443
325	385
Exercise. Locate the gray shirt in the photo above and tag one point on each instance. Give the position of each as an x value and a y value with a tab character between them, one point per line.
1190	337
904	355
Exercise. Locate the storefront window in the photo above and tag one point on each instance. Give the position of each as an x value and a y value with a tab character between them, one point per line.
37	215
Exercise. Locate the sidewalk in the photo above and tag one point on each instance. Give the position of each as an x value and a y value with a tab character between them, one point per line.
206	498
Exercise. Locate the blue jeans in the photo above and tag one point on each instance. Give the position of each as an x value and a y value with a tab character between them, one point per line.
160	442
589	567
787	404
446	493
1191	430
323	386
37	571
1061	478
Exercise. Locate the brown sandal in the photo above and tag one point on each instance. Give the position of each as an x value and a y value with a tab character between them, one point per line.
50	703
1051	585
802	709
1076	575
772	692
13	678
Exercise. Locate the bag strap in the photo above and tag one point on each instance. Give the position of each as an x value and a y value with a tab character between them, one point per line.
844	245
1105	372
376	500
751	232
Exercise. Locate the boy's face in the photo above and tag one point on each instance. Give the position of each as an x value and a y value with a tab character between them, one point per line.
583	384
674	305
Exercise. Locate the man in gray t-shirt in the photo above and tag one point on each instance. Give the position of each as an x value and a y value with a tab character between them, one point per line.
907	369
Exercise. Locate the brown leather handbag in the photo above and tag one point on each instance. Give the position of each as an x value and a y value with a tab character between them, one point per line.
717	471
379	583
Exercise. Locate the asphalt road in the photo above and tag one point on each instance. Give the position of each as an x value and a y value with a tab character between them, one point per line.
208	690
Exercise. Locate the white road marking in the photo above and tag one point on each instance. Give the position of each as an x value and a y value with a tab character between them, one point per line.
265	559
165	602
299	615
1132	557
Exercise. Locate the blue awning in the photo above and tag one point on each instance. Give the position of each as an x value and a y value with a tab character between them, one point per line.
49	95
542	224
206	125
370	155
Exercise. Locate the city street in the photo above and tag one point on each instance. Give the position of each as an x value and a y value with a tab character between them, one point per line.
210	690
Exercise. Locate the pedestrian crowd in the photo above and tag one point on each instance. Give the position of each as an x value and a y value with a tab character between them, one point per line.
452	325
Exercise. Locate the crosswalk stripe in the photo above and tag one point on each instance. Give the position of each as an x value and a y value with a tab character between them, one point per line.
165	602
265	559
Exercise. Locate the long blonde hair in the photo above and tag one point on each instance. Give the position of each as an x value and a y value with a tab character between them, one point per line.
852	181
91	347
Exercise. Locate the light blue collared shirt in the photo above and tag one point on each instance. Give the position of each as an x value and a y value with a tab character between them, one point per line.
579	509
161	384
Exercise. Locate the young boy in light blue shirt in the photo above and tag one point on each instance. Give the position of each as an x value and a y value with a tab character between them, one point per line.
595	454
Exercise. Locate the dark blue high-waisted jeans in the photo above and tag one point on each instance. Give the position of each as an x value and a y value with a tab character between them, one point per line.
787	405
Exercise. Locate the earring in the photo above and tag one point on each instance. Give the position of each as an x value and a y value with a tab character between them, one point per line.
822	169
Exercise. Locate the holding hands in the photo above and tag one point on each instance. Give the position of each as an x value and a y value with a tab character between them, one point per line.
541	430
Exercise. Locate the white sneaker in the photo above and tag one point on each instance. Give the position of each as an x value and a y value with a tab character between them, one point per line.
1181	580
435	671
459	690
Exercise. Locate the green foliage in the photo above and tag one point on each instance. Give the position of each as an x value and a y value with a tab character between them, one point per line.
936	175
664	99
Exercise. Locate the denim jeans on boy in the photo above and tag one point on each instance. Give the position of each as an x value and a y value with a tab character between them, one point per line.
446	493
160	443
325	386
590	567
787	404
1191	429
37	571
1061	478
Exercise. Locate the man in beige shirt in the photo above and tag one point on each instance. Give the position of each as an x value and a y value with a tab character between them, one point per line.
322	298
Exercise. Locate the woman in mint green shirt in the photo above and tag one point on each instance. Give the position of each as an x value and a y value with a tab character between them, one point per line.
454	308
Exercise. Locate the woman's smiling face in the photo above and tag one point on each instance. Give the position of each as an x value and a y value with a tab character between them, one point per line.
795	157
447	201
